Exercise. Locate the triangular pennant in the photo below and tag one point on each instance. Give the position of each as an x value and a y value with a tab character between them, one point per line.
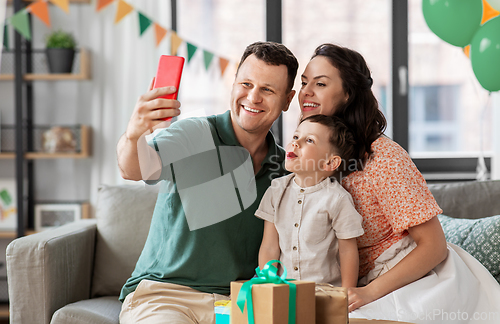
488	12
207	57
21	23
466	50
5	37
41	10
160	32
175	42
223	65
122	10
144	23
63	4
191	49
101	4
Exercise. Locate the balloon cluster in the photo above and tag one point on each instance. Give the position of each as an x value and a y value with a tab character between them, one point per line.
474	22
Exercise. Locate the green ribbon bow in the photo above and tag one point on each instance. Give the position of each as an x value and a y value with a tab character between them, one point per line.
269	274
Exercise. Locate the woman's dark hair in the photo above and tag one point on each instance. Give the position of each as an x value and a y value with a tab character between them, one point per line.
275	54
360	112
341	138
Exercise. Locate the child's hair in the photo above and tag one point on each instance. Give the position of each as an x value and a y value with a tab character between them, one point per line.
341	138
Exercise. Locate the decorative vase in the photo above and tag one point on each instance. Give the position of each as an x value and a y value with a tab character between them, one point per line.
60	60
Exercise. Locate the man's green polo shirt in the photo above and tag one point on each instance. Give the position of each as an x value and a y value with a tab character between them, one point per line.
209	258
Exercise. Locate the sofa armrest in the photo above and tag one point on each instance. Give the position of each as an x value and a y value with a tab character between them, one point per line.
48	270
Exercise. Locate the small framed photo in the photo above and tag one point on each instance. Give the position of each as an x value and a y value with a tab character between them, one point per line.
52	215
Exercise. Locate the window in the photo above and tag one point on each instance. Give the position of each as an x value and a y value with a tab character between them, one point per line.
364	26
225	28
450	115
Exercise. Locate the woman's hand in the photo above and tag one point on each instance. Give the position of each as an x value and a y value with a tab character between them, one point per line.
431	250
358	297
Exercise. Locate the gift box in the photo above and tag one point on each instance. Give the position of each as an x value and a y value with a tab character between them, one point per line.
271	303
331	304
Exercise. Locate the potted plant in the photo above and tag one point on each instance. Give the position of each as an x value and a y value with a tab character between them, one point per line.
60	50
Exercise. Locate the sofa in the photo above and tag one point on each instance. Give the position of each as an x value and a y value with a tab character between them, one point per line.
73	274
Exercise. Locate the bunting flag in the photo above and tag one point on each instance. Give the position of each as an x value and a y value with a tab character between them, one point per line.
160	33
63	4
488	12
41	10
101	4
5	37
175	42
144	23
21	23
122	10
191	49
207	57
223	65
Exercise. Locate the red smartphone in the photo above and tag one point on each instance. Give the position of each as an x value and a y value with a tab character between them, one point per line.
169	74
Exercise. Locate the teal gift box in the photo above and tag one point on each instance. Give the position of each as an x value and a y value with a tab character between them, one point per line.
222	314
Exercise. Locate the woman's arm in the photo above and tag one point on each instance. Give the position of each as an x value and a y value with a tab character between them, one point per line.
431	250
270	247
349	262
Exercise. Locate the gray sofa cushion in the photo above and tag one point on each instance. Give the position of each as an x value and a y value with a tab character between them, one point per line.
123	218
474	199
104	310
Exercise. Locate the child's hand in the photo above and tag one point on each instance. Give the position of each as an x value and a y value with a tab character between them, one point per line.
358	297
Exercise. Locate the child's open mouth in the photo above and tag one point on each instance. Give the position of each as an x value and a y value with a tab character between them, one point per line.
290	155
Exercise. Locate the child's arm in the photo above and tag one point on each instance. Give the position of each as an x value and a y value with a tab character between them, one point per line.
269	248
349	262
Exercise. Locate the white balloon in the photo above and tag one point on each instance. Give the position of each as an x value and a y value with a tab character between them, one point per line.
495	4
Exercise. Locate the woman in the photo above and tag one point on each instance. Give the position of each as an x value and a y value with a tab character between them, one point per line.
403	252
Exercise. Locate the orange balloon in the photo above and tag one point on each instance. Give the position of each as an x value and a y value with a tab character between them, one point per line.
488	12
467	50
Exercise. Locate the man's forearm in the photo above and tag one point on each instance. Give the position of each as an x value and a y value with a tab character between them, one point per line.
128	159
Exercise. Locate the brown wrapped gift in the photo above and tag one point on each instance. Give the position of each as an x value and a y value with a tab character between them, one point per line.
331	304
270	303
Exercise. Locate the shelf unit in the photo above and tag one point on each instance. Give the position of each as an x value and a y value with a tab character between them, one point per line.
24	74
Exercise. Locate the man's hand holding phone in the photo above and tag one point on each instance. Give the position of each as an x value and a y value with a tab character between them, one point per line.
160	103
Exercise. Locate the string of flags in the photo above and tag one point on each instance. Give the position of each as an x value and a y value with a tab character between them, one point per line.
40	9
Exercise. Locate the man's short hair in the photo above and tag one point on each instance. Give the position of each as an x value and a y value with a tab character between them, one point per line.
275	54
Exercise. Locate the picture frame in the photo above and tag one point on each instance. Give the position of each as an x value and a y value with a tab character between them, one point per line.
8	204
48	216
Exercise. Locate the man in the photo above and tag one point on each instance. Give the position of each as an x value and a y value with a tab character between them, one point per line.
190	258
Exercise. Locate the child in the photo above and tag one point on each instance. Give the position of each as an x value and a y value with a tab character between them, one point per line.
310	221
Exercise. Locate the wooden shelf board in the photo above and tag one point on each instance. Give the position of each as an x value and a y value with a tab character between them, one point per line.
47	77
8	234
43	155
83	154
83	75
4	310
7	156
72	1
